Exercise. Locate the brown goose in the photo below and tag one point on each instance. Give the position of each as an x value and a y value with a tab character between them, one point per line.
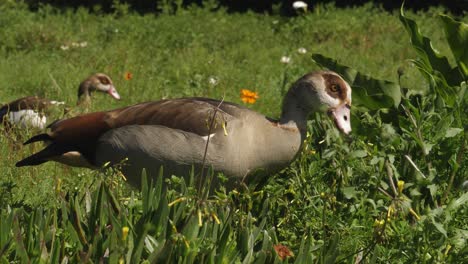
30	112
26	112
174	133
97	82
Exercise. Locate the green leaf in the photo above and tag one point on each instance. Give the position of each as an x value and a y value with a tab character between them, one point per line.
452	131
20	247
358	154
455	204
112	200
333	249
306	249
457	37
371	93
191	229
439	227
430	57
140	242
349	192
55	253
433	189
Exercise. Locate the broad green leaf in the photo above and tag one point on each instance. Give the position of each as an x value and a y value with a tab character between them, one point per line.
459	238
430	56
453	131
140	242
332	250
112	200
223	241
371	93
440	227
55	252
76	213
358	153
191	228
382	90
349	192
433	189
434	66
20	248
457	37
305	250
455	204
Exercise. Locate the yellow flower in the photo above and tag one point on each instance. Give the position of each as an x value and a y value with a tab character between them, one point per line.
248	96
400	185
376	222
125	230
128	76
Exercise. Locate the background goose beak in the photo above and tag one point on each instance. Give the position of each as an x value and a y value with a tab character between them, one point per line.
342	117
113	92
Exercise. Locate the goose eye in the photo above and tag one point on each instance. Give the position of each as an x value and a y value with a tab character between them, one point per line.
334	88
104	81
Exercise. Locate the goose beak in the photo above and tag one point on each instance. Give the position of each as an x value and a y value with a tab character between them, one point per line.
342	117
113	92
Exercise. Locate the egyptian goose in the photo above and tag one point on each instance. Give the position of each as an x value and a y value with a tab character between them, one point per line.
174	133
97	82
26	112
30	112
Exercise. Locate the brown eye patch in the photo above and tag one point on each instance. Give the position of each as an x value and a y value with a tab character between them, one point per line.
104	80
335	86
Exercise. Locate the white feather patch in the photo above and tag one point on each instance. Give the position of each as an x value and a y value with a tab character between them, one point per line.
57	102
206	137
27	118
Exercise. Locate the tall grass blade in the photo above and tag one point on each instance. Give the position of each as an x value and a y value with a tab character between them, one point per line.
18	238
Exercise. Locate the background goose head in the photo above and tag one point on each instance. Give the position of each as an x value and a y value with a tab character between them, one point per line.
33	111
322	91
97	82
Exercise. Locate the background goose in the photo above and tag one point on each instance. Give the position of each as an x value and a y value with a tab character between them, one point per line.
31	111
26	112
174	133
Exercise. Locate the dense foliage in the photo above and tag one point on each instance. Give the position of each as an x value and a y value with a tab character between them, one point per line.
392	194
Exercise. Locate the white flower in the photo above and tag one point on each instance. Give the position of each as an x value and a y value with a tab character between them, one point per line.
302	50
285	59
75	45
83	44
213	80
300	5
64	47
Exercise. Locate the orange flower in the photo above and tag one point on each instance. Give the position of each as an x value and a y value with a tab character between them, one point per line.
248	96
128	76
283	251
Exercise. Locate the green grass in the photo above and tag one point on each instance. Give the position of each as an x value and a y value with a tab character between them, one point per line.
324	207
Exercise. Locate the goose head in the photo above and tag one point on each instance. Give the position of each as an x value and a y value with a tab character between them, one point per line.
322	91
97	82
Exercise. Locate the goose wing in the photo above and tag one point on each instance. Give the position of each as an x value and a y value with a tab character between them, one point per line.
81	133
